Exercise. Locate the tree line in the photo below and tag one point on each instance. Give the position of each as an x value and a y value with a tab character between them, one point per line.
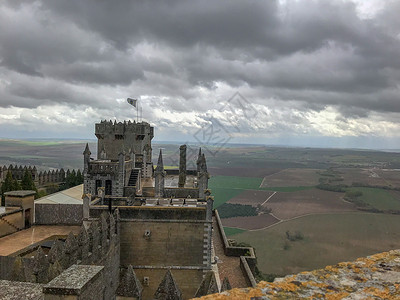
27	183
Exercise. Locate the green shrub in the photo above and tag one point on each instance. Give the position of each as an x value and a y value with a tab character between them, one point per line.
228	210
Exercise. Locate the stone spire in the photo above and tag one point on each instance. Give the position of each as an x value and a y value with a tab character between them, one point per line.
160	164
130	285
168	289
86	159
225	285
159	175
87	150
208	285
199	160
202	176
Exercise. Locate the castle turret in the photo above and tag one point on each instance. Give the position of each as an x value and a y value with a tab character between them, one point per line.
198	160
203	176
86	158
182	166
159	177
121	174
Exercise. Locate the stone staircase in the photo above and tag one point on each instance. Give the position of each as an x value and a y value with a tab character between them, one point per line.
11	224
133	177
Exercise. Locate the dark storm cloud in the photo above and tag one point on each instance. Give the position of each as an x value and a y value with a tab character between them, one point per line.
303	54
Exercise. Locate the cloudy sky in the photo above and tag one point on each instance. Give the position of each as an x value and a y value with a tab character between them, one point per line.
295	72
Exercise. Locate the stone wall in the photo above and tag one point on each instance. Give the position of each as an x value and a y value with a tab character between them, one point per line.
97	245
247	256
162	243
11	222
57	214
181	193
188	281
373	277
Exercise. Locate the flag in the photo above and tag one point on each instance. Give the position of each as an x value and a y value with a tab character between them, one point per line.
132	101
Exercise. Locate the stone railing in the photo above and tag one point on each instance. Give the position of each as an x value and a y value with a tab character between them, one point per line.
247	256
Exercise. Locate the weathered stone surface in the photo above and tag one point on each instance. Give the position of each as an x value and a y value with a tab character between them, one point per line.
104	231
56	252
112	226
372	277
83	243
95	240
55	269
71	249
12	290
225	286
208	285
41	266
78	280
18	273
130	285
168	289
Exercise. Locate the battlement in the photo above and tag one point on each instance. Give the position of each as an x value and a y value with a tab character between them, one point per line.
120	129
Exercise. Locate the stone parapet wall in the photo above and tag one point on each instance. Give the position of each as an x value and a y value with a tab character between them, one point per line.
11	222
373	277
58	214
97	245
247	256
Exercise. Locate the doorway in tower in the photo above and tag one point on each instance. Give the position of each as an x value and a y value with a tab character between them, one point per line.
108	189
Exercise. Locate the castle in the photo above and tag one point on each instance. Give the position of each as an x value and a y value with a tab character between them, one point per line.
39	178
138	231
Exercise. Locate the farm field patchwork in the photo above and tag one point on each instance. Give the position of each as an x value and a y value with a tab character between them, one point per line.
292	177
328	239
360	176
251	197
381	199
250	223
290	205
229	231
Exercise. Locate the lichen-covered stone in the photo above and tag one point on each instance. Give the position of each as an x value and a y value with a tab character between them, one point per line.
130	285
225	286
372	277
41	266
168	289
208	285
18	273
83	243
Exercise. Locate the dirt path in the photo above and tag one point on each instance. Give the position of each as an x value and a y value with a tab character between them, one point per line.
268	199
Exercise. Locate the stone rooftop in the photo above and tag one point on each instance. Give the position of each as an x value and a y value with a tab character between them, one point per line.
23	193
69	196
73	279
372	277
22	239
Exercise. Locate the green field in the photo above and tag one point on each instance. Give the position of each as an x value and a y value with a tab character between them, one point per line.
235	182
229	231
378	198
224	188
328	239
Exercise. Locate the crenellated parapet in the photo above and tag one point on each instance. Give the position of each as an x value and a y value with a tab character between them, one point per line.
94	245
40	178
124	136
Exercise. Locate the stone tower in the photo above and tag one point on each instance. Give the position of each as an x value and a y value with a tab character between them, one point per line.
202	176
182	166
159	179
